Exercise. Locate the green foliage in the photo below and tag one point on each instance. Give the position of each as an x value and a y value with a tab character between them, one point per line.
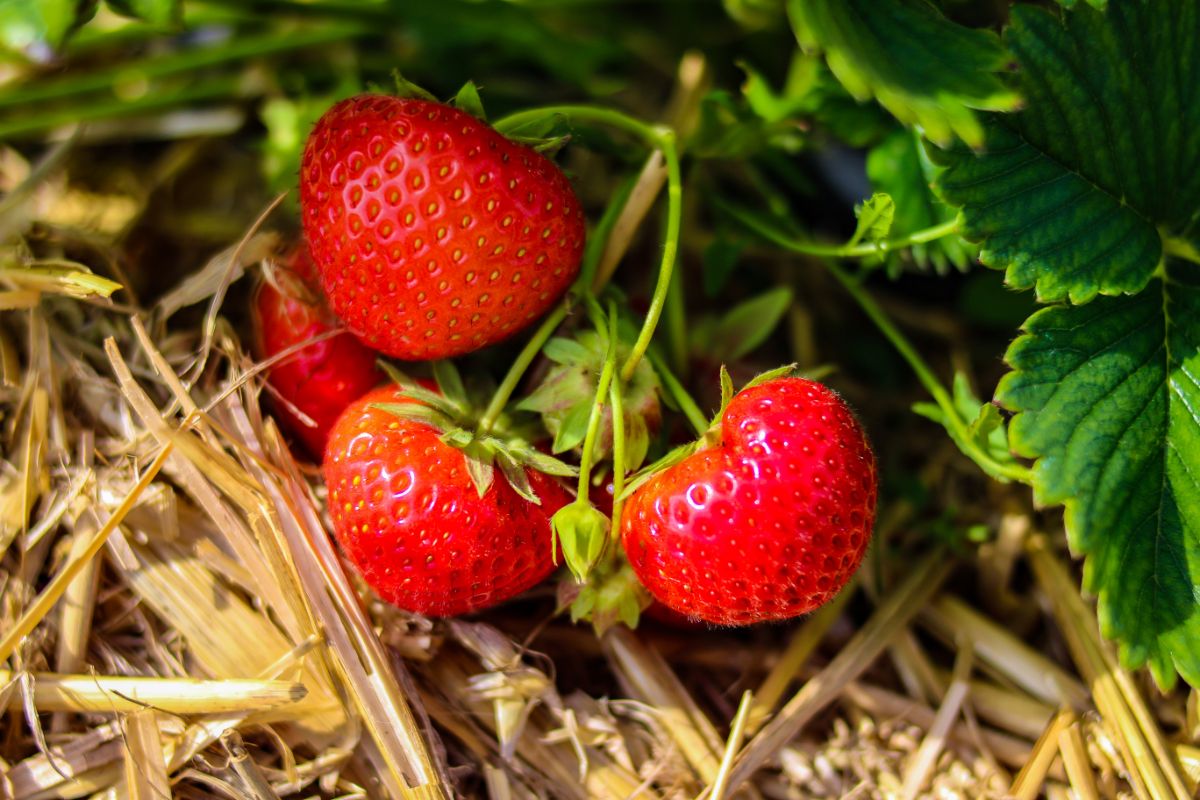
1074	195
875	216
37	28
920	66
900	167
1082	196
1109	403
156	12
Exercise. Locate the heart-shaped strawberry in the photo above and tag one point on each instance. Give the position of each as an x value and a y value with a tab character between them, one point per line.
766	525
434	234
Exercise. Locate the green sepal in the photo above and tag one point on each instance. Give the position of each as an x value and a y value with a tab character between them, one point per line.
669	460
613	595
561	350
414	412
402	87
479	467
572	430
786	371
582	532
514	473
468	100
449	382
549	465
726	392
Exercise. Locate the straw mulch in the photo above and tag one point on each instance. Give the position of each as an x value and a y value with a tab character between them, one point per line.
175	621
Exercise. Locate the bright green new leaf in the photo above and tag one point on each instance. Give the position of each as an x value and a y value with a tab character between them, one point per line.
875	216
925	69
468	100
899	166
1109	402
1074	195
985	427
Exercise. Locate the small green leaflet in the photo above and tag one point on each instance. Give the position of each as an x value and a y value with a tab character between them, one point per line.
925	69
899	166
1109	402
875	215
985	425
468	100
1078	194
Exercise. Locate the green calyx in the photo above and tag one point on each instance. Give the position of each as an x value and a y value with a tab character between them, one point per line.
453	412
582	531
564	398
612	595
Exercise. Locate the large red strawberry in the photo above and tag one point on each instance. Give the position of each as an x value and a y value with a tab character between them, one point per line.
320	380
434	234
766	524
407	513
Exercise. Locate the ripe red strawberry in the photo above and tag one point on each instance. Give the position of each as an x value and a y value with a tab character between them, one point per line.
408	515
434	234
766	525
321	379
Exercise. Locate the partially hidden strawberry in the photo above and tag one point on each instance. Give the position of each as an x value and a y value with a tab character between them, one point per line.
434	234
766	523
407	513
319	380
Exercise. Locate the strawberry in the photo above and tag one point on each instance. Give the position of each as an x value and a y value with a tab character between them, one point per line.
434	234
409	515
768	522
322	379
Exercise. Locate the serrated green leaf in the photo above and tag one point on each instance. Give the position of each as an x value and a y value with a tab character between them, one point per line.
748	324
900	166
469	101
1072	195
920	66
36	28
1108	401
875	215
156	12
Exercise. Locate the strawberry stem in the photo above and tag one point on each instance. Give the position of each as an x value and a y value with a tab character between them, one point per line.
666	142
679	394
618	450
593	428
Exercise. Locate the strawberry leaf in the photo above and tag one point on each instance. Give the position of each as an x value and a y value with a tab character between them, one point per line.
1108	401
925	69
1078	194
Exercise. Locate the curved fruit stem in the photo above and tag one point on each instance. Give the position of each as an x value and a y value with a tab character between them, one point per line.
618	452
670	247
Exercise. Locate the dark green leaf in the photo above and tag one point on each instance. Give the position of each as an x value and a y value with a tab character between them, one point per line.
920	66
1108	396
720	258
900	166
748	324
1073	195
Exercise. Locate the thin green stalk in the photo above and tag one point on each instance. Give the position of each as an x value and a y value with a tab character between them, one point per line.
679	394
776	236
670	247
925	376
597	414
618	450
675	323
517	370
